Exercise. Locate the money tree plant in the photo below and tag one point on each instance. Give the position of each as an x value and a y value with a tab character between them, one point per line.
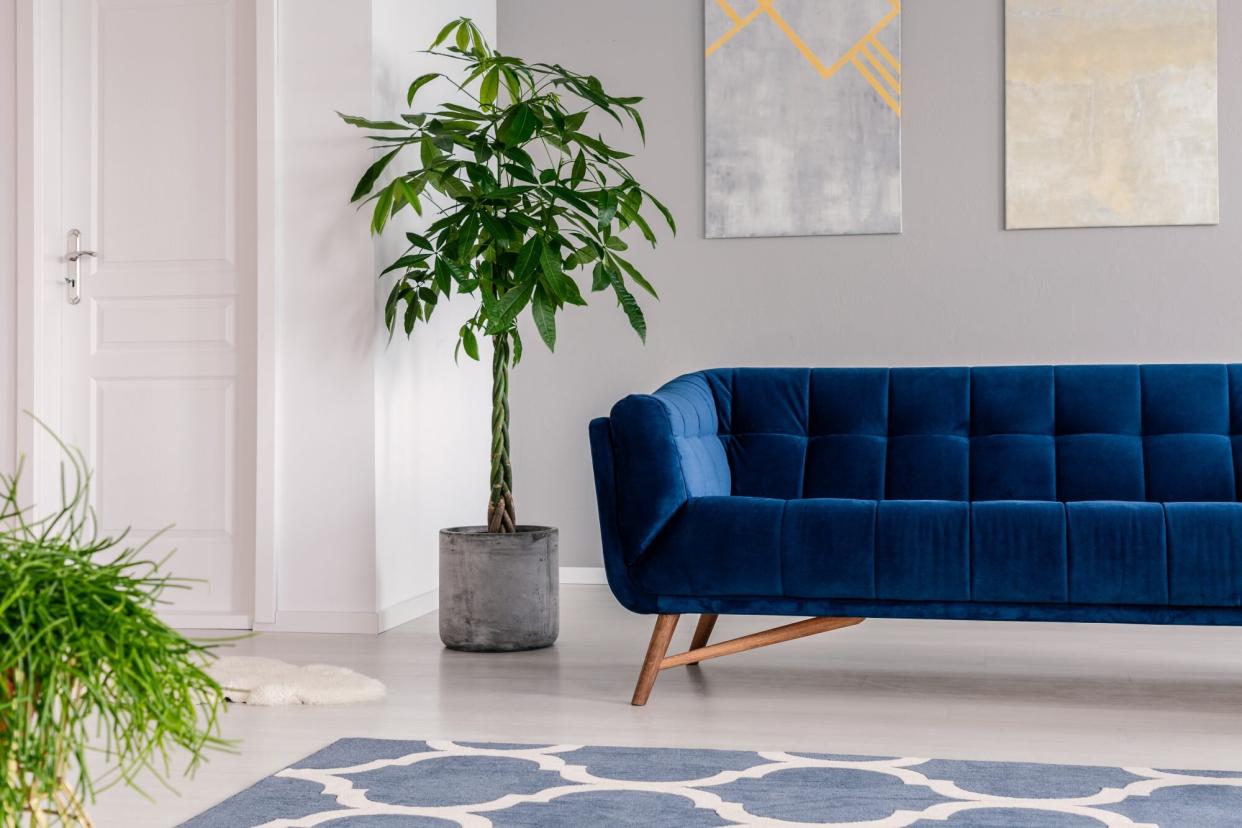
522	198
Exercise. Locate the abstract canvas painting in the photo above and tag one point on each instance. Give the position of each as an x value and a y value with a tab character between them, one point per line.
1110	113
803	117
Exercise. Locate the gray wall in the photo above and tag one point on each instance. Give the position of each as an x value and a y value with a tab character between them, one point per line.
953	289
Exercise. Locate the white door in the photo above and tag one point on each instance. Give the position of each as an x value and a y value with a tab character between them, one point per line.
147	137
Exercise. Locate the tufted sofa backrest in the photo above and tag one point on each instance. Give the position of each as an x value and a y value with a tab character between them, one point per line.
1081	432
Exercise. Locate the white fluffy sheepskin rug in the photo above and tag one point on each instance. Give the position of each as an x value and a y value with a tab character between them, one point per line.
267	682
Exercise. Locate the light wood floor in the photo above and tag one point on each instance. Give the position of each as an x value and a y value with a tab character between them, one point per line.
1090	694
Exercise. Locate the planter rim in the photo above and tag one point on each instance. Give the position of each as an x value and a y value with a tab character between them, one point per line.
522	530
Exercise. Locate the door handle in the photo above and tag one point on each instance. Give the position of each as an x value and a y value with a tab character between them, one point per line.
74	257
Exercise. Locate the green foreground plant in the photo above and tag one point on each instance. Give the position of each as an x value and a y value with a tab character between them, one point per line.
86	664
522	197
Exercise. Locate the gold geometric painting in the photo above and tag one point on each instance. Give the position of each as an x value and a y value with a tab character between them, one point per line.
1110	113
803	117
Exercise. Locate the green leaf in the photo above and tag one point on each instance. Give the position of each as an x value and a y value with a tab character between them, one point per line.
571	197
419	83
382	205
481	177
599	277
668	217
608	209
445	32
518	126
527	258
411	315
463	113
428	152
509	192
615	243
419	241
555	281
512	302
517	346
584	255
487	295
469	342
405	262
490	86
495	228
630	305
598	146
520	156
579	169
463	37
453	187
364	123
512	82
465	239
547	176
478	44
443	280
638	278
638	122
544	310
371	176
390	306
406	192
520	173
634	217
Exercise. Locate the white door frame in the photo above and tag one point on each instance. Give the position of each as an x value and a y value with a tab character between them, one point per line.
34	350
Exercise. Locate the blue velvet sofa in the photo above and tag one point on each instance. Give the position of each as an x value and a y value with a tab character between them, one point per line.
1056	493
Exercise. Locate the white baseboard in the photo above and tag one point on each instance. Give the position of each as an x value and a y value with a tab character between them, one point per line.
365	623
583	575
205	620
408	610
314	621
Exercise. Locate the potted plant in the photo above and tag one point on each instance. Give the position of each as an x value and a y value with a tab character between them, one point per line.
87	665
520	198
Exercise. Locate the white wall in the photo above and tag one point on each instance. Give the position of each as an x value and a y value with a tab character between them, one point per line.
431	416
379	445
326	399
8	240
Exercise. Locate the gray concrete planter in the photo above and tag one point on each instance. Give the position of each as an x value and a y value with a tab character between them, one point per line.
499	592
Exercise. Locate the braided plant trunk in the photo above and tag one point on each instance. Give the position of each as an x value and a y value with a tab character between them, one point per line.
501	515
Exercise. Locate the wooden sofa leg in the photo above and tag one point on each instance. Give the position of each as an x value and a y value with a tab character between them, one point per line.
657	658
660	638
707	622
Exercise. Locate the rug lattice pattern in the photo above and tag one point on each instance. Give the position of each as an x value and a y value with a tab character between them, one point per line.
369	783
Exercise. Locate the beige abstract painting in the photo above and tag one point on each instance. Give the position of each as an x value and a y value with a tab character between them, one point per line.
1110	113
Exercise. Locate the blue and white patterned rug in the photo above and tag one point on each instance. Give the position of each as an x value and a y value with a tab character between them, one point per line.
372	783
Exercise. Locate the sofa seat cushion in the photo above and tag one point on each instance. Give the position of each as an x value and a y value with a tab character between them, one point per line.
1117	553
997	552
1205	554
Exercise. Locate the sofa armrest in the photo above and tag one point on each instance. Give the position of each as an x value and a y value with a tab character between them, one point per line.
666	449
